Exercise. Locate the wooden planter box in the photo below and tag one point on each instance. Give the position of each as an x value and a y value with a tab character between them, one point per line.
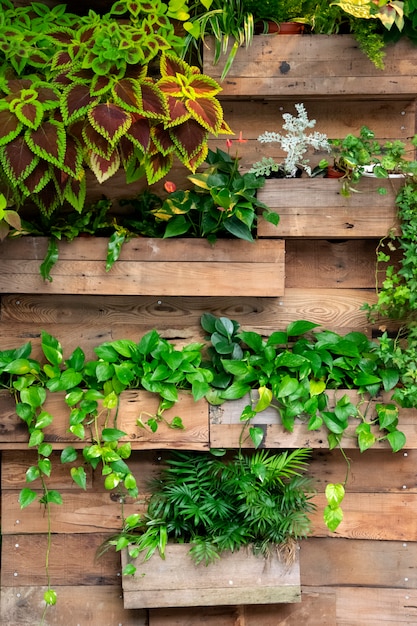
236	578
314	207
226	427
147	267
312	66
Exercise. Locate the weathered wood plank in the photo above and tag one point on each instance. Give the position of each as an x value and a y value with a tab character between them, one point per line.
358	562
133	405
86	606
226	427
384	517
375	606
236	578
81	269
314	65
315	609
314	207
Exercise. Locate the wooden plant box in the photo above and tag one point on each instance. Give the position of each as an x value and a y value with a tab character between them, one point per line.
226	427
236	578
146	267
314	207
133	404
312	66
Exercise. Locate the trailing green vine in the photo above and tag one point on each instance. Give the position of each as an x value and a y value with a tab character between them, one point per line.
296	371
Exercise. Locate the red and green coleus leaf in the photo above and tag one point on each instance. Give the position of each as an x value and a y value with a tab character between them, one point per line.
157	166
47	199
48	141
208	112
28	110
188	138
10	127
103	169
75	193
178	112
109	120
95	142
140	132
37	179
153	102
17	160
75	103
162	141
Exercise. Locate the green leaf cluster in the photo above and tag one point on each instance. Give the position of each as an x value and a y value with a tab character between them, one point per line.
262	500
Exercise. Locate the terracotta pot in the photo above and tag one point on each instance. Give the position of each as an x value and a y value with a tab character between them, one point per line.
285	28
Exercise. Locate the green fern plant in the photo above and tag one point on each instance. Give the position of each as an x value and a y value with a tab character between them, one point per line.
217	505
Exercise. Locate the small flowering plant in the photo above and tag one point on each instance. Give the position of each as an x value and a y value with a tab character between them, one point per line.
222	203
295	142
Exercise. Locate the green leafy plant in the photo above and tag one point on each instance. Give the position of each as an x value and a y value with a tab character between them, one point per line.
223	202
77	93
262	500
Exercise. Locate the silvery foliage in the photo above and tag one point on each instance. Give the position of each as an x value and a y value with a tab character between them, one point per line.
295	143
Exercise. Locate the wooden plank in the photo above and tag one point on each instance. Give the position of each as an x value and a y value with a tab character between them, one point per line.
384	517
79	271
80	512
236	578
314	207
358	562
86	606
133	405
326	264
315	609
226	427
376	606
313	66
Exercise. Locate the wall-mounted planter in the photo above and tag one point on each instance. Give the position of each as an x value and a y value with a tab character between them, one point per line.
157	267
312	66
314	207
235	578
226	427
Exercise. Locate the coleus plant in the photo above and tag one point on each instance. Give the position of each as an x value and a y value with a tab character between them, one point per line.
77	93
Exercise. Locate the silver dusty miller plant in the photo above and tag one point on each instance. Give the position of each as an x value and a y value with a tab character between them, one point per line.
295	143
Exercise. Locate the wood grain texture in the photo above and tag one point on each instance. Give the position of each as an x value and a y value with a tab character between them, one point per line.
314	66
236	578
133	405
148	267
86	606
314	207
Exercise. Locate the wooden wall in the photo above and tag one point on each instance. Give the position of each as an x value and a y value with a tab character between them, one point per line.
362	575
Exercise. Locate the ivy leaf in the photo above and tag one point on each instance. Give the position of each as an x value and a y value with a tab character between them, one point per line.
366	438
68	455
332	517
387	415
50	260
300	327
335	492
51	348
265	399
112	434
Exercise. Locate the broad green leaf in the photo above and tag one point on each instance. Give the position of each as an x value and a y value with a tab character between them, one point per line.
278	338
235	391
112	434
366	438
333	423
129	481
390	378
317	387
315	423
51	348
387	414
68	455
334	492
299	327
53	496
257	435
252	340
111	481
26	497
79	477
45	449
74	396
44	419
397	440
32	473
36	438
247	414
34	396
50	597
332	517
287	387
110	401
18	367
45	466
50	260
265	399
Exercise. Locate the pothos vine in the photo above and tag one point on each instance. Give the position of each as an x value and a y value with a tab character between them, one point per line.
294	371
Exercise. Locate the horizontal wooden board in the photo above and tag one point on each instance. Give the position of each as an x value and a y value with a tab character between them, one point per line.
226	427
76	605
151	275
314	207
313	66
236	578
133	405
